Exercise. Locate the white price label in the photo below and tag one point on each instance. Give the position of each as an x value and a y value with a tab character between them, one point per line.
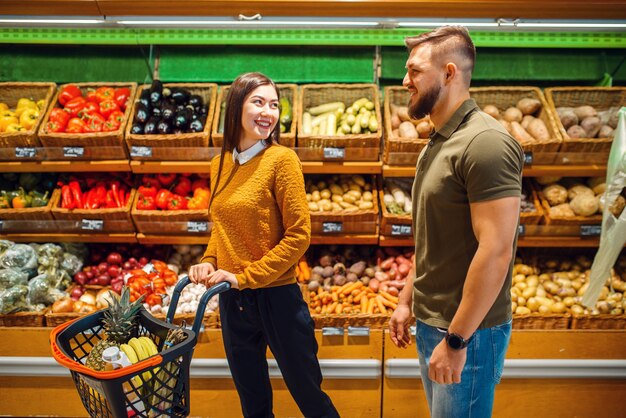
25	152
335	153
401	230
332	227
197	226
521	230
140	151
92	224
73	152
590	230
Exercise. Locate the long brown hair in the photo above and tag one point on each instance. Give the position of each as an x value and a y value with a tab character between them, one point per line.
239	90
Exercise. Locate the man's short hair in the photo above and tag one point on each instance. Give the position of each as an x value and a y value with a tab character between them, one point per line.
451	40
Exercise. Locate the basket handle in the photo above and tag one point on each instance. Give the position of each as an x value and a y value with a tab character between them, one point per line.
204	299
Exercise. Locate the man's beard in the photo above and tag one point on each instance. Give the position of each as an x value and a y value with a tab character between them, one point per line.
425	104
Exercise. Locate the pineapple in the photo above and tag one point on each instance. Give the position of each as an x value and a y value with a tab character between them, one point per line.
118	322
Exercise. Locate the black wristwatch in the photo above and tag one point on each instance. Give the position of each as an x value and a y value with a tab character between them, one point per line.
455	341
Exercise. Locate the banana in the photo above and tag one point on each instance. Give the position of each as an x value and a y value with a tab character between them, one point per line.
130	353
138	347
149	346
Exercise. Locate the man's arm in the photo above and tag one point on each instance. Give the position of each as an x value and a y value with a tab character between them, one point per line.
401	317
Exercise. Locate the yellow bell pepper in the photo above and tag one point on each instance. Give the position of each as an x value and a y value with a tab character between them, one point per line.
28	119
14	127
3	107
40	104
5	121
23	104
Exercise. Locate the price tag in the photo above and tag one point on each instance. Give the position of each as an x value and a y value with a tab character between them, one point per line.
528	158
92	224
140	151
197	226
521	230
590	230
25	152
401	230
332	227
335	153
1	225
73	152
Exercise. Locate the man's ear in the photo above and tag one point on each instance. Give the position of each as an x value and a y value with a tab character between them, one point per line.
450	72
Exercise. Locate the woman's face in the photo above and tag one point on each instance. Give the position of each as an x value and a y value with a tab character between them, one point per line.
260	113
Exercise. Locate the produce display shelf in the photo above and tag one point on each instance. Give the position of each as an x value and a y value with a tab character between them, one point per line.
557	242
172	239
64	166
276	36
98	238
385	241
142	167
344	239
344	167
589	170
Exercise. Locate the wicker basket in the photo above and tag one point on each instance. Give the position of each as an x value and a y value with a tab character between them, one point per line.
165	221
43	214
208	92
541	321
114	139
601	98
399	150
569	221
211	320
56	319
393	225
531	218
353	222
505	97
371	321
116	220
23	319
288	139
10	93
602	321
317	94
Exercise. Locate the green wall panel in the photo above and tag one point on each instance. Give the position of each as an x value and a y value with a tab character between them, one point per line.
582	66
283	64
73	63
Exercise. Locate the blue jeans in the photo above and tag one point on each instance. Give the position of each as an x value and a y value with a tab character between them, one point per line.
473	397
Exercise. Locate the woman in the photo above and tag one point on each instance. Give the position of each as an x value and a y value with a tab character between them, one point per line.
261	228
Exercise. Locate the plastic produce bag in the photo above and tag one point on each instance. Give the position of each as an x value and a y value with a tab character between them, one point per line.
10	278
19	256
5	245
42	290
71	264
14	299
613	235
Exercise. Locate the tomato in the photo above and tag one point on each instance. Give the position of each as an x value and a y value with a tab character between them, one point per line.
107	107
105	93
75	105
121	97
68	92
75	125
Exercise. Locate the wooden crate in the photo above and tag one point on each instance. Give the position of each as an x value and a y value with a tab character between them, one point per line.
165	221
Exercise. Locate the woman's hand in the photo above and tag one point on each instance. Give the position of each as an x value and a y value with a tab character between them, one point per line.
222	276
199	273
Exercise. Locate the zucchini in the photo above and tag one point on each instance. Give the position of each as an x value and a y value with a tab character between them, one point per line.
331	124
373	124
327	107
286	114
306	123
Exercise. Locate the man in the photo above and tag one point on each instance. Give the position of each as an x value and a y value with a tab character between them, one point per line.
466	198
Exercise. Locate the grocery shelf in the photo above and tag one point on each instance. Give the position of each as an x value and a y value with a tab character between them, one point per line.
172	239
142	167
64	166
344	239
97	238
344	167
589	170
556	242
385	241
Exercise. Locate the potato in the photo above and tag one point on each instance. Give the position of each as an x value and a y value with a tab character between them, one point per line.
528	106
584	205
395	133
526	121
597	184
538	130
618	206
520	134
407	130
606	132
555	194
579	189
585	111
561	211
613	119
513	114
423	129
576	131
492	111
395	122
591	125
567	116
403	113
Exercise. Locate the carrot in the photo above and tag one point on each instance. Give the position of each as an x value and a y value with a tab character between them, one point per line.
370	306
339	308
332	307
364	303
388	303
360	296
380	305
343	288
390	298
335	296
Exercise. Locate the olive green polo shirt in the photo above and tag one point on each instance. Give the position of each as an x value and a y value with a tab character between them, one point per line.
470	159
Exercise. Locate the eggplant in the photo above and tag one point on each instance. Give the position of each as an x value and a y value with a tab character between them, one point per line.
144	98
168	111
151	126
195	100
142	113
196	126
156	111
183	118
179	96
164	127
203	110
156	91
136	128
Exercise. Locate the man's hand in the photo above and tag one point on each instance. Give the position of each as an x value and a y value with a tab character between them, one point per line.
399	326
222	276
446	364
199	273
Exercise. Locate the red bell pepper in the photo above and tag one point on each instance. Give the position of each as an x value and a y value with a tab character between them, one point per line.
199	183
89	109
90	200
54	127
146	203
59	116
147	191
75	125
75	105
162	199
115	188
67	201
121	97
104	93
94	123
166	179
101	195
177	202
77	193
68	92
107	107
110	201
91	95
182	187
148	180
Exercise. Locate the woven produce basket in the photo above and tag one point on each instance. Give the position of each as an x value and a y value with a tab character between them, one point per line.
541	321
56	319
388	220
505	97
43	213
211	320
116	220
113	139
601	98
570	220
318	94
602	321
353	222
208	92
531	218
165	221
398	150
23	319
288	139
10	93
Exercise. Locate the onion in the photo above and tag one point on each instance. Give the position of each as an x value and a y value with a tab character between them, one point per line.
88	298
63	306
104	298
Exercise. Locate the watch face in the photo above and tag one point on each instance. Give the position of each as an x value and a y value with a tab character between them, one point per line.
454	341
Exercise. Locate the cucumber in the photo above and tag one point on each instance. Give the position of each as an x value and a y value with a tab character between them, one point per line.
286	114
331	125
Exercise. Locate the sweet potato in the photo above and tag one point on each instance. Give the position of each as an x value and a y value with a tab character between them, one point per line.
526	121
606	132
576	131
528	106
591	125
520	134
585	111
492	111
538	130
513	114
423	129
567	116
403	113
407	130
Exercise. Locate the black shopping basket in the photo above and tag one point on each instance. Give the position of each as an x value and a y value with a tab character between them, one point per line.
154	387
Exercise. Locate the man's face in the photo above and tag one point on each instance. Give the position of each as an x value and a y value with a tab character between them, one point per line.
423	80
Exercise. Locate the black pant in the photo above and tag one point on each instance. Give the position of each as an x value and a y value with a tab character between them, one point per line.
278	317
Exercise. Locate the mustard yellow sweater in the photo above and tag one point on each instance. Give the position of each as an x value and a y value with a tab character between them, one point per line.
261	221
